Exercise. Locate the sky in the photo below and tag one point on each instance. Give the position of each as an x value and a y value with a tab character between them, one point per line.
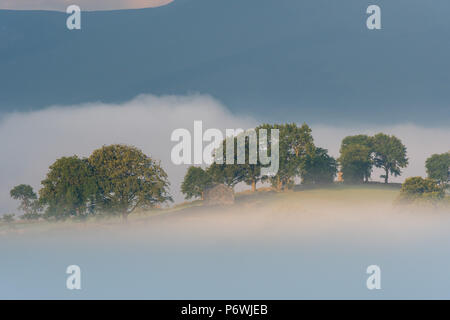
61	5
34	140
304	59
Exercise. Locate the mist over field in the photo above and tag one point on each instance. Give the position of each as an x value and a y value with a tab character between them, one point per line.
34	140
307	243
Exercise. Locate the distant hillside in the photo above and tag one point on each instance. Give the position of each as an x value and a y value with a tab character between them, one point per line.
302	60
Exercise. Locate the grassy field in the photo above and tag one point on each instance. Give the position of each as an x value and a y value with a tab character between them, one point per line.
299	201
325	205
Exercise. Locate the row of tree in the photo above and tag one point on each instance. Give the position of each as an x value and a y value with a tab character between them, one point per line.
360	153
118	179
300	158
115	179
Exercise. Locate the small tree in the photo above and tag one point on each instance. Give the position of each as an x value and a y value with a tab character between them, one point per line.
195	183
319	168
390	155
438	167
128	179
417	188
8	218
29	203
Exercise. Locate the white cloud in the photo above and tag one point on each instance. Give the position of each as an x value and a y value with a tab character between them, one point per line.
32	141
61	5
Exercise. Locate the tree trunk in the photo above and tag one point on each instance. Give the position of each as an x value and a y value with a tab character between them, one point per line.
386	177
279	184
203	195
253	186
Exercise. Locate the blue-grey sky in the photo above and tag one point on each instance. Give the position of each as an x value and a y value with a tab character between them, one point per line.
312	60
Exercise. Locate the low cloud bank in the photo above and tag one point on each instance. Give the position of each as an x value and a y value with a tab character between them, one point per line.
32	141
61	5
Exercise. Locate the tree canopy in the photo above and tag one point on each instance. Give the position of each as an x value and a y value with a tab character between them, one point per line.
195	183
29	203
356	158
295	144
356	163
438	167
245	166
389	155
128	179
69	188
319	168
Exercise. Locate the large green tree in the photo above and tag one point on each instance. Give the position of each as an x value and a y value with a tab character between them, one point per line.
295	144
69	189
128	179
29	203
245	166
225	168
438	167
195	182
319	168
355	163
389	155
356	158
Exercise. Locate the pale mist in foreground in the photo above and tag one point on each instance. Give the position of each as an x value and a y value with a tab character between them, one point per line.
301	244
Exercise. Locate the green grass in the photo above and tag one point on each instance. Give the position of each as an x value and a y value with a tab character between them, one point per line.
338	194
299	199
